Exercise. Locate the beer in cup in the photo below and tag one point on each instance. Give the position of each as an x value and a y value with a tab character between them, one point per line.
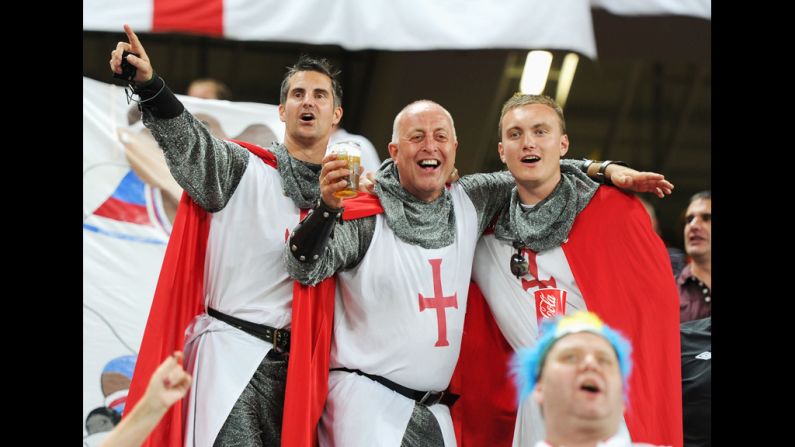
352	154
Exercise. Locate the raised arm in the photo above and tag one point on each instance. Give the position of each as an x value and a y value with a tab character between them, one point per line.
490	192
168	384
207	168
627	178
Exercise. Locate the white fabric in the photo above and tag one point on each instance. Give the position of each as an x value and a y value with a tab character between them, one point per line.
513	307
415	24
514	310
111	15
122	257
379	329
94	440
370	159
244	278
399	25
380	24
244	273
618	440
694	8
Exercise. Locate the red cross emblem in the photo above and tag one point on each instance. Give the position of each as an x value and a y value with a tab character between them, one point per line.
532	268
439	302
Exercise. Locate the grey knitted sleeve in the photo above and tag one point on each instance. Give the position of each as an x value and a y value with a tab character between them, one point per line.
489	193
207	168
346	248
575	163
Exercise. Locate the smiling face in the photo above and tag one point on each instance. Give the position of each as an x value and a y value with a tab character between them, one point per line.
308	111
580	387
424	150
532	145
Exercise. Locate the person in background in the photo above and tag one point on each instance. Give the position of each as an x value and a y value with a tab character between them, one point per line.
168	384
695	280
578	374
209	88
697	382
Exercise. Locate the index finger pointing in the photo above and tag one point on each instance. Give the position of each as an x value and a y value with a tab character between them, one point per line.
133	38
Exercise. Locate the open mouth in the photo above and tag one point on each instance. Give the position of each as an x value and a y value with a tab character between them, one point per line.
429	164
307	117
530	159
590	386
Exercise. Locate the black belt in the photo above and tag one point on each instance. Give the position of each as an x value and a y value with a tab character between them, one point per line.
426	398
279	338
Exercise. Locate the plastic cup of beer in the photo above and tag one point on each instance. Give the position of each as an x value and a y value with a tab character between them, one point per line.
352	154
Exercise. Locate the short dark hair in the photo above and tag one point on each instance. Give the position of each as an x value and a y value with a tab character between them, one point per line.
109	413
702	195
307	63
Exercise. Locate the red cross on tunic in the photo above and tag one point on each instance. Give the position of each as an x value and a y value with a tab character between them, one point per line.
532	268
439	302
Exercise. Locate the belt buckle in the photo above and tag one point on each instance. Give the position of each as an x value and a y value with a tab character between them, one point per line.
279	338
426	399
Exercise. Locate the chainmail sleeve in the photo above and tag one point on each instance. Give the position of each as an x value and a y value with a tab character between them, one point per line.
207	168
346	248
579	164
489	193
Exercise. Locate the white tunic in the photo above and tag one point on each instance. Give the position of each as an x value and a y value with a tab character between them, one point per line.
389	321
244	277
513	303
618	440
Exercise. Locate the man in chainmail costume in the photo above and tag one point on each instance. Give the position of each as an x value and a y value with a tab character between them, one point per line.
403	276
404	280
237	346
564	244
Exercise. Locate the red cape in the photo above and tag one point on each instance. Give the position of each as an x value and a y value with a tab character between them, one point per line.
178	299
313	318
624	274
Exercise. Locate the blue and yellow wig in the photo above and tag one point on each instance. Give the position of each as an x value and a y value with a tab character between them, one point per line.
528	362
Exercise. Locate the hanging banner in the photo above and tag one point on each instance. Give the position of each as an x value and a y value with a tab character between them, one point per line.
129	199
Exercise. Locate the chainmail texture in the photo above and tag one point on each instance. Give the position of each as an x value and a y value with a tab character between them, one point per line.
207	168
256	418
423	429
547	224
429	225
299	178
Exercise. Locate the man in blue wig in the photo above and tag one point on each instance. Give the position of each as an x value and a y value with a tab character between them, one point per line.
578	374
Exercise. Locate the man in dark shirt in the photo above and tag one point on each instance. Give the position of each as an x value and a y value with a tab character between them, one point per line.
695	280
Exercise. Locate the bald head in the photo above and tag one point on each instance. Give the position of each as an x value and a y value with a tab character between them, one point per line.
423	148
417	107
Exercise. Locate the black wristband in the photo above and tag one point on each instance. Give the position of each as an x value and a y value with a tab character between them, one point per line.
601	177
310	237
158	99
587	165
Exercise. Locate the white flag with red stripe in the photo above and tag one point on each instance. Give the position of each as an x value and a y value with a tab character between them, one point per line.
362	24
